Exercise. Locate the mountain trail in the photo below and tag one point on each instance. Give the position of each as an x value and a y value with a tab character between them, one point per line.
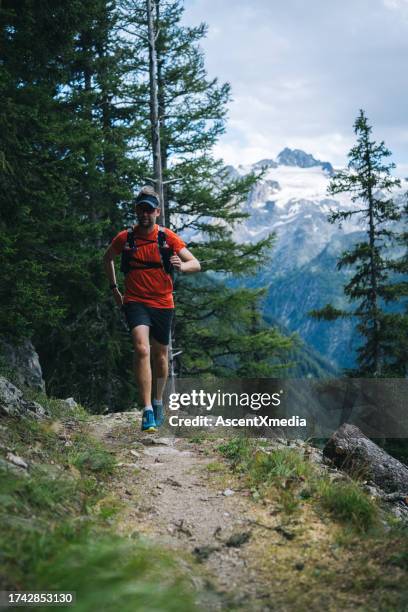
238	551
165	485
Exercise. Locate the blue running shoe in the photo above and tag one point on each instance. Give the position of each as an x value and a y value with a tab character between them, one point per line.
158	413
148	421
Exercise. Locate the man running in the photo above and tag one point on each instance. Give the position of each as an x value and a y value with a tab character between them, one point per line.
148	300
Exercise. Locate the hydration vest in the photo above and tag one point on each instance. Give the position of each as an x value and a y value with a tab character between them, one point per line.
129	262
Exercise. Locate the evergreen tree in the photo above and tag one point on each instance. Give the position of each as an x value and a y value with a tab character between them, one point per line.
93	360
32	173
202	202
65	173
396	323
369	181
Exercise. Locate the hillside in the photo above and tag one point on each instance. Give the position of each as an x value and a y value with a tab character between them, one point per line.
142	522
291	200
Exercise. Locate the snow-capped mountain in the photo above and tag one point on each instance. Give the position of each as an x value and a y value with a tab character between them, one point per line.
291	200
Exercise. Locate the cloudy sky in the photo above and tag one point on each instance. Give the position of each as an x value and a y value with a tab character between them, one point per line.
300	71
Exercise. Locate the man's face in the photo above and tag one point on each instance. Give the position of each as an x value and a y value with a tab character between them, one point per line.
146	215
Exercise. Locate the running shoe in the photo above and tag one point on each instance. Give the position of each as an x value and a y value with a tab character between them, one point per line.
148	421
158	414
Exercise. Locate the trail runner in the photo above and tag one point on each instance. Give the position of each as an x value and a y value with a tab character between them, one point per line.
149	252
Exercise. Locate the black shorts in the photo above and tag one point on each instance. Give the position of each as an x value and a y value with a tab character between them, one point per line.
158	319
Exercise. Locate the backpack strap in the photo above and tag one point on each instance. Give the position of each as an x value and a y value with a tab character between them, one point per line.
165	251
127	252
131	239
130	262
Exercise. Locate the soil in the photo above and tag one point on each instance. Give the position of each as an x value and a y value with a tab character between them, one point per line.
239	553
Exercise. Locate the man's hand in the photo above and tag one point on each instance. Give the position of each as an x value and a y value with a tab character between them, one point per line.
185	261
118	297
177	263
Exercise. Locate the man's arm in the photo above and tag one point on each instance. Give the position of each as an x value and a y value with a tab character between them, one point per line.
110	273
185	261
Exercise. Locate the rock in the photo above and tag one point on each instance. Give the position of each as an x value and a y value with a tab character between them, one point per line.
70	403
25	364
10	398
228	492
238	539
35	408
16	460
10	467
203	552
12	402
158	441
286	534
350	450
172	482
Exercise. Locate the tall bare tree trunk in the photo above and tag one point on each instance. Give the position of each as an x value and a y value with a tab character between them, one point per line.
154	108
156	147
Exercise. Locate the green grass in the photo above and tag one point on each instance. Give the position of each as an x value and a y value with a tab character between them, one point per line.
347	502
215	466
299	482
56	408
87	455
56	524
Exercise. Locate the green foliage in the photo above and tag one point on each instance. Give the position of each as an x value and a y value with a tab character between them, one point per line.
88	456
348	503
369	181
56	534
75	145
287	469
218	328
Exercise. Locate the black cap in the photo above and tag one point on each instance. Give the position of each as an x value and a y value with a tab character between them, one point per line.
144	198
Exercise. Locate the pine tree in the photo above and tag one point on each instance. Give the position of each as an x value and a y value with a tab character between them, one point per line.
66	173
94	359
369	181
32	176
201	200
396	322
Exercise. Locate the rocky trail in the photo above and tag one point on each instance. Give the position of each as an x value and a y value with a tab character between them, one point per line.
168	495
239	553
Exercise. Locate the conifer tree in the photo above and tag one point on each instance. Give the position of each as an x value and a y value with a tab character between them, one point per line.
65	172
201	200
369	181
93	360
396	321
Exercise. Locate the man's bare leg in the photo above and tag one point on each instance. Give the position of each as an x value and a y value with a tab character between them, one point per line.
160	367
141	363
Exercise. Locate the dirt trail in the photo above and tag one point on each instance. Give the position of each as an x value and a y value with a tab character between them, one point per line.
169	495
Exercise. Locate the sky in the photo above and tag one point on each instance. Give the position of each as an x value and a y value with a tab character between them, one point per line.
300	71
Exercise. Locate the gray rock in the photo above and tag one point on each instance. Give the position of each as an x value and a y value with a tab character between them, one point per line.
23	360
16	460
70	403
10	398
7	466
12	402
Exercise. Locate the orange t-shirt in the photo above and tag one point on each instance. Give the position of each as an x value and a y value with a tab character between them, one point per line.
152	286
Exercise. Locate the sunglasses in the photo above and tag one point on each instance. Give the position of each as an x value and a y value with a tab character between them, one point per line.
145	209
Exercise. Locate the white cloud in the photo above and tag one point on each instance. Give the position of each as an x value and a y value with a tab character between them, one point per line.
396	4
300	72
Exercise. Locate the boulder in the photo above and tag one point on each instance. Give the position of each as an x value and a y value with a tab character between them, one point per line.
24	362
12	402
